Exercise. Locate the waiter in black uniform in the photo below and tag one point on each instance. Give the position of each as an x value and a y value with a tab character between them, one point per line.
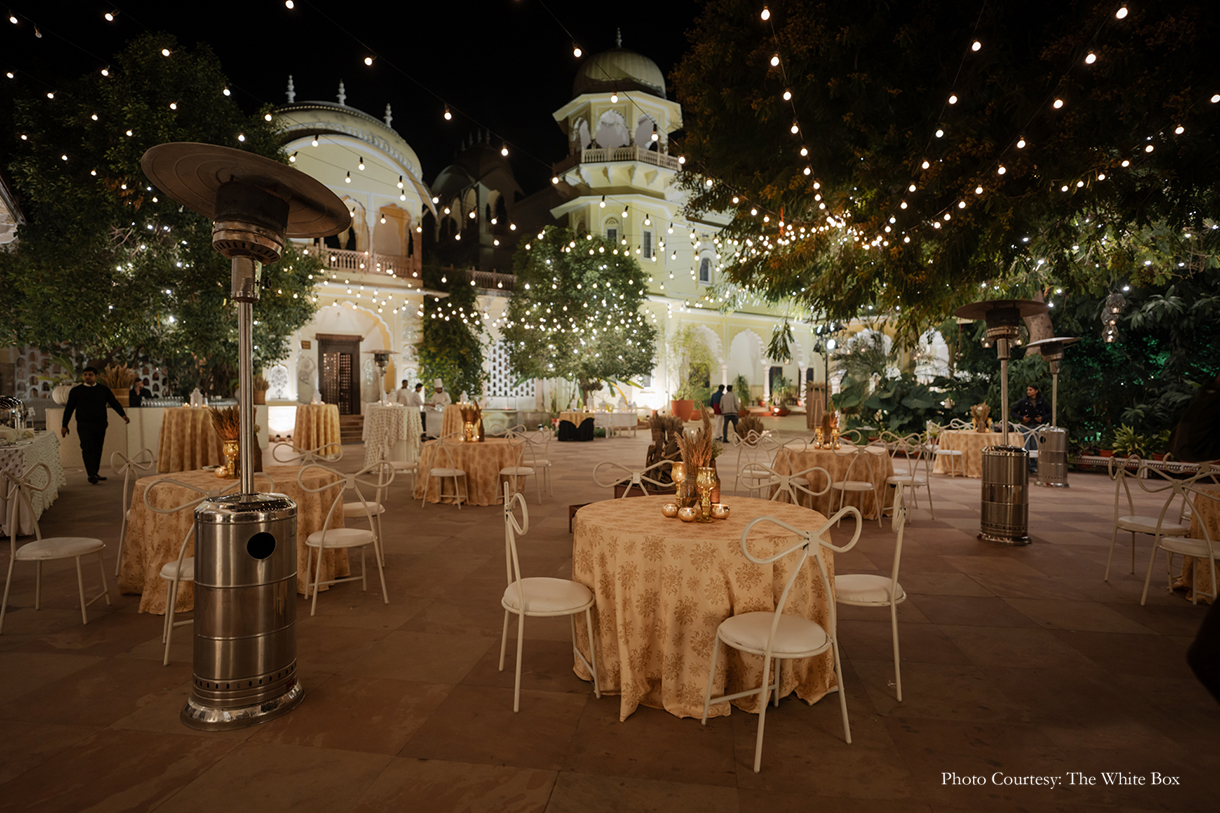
89	402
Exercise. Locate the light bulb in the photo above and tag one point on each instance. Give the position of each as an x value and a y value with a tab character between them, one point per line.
1179	130
602	205
1121	13
1001	170
554	179
804	151
796	128
775	60
504	150
360	163
288	4
110	15
348	179
940	133
787	94
368	60
978	190
1021	143
925	165
448	115
164	52
576	52
241	137
976	46
314	142
614	97
266	117
292	159
226	92
12	18
766	14
953	100
1058	104
681	159
105	71
1090	59
400	182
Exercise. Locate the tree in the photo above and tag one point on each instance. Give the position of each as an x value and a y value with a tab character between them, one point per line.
105	263
576	314
924	172
451	349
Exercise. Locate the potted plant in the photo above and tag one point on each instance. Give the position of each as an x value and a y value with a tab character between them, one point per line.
1128	442
687	355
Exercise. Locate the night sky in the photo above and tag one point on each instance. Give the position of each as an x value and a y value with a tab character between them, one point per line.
504	65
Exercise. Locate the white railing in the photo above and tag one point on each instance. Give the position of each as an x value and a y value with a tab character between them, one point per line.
366	262
618	154
493	281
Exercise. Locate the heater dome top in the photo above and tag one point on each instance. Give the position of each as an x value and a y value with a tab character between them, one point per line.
192	173
994	307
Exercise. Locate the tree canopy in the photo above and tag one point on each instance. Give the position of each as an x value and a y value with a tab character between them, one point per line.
576	313
107	265
918	156
451	348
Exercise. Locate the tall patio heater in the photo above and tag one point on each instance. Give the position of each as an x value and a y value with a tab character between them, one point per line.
245	544
1053	439
1005	498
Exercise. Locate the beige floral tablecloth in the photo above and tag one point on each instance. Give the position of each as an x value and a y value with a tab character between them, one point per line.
837	464
188	441
392	430
316	426
662	588
19	458
482	463
971	444
153	539
1197	573
451	421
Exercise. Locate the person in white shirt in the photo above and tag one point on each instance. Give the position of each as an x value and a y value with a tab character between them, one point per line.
403	395
416	398
440	399
729	405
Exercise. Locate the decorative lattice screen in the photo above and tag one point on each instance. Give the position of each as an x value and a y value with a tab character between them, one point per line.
500	381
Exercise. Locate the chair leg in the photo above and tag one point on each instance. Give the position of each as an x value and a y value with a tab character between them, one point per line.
80	586
597	692
1148	577
38	585
842	691
8	582
504	641
118	557
779	665
385	596
897	659
517	679
364	572
171	595
931	507
317	577
762	714
1110	558
101	564
1133	553
711	677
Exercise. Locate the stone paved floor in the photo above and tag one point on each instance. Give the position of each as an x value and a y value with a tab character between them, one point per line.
1021	661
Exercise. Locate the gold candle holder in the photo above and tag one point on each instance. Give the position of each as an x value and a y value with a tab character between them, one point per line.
670	509
686	493
232	467
720	511
687	514
469	432
703	484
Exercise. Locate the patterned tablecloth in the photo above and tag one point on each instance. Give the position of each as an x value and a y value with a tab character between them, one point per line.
451	422
662	588
393	428
1197	573
481	462
188	441
788	461
971	443
316	426
153	539
17	459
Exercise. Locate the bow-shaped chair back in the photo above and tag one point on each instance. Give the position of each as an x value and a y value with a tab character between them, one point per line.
18	488
373	479
631	477
514	527
327	452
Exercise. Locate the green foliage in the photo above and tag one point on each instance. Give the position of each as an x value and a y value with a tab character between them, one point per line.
903	405
575	313
741	388
452	348
870	84
107	264
689	360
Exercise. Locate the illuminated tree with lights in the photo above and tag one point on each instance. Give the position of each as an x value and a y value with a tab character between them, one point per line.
452	348
106	264
917	156
575	312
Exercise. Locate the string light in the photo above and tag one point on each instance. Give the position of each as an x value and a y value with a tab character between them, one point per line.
110	15
576	52
1058	104
953	99
775	61
976	46
1090	59
766	14
1121	13
614	97
504	149
360	163
164	52
368	60
292	159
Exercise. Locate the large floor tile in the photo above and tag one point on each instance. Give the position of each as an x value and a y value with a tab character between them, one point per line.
409	784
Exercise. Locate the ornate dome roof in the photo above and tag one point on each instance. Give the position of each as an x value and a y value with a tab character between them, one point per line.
619	69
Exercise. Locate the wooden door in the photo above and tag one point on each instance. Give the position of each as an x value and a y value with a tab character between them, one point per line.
340	378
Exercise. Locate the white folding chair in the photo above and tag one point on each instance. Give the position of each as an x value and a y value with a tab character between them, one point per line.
45	550
182	569
753	451
1200	548
347	538
326	453
540	441
144	461
515	472
789	487
779	636
539	596
870	590
1125	470
951	456
631	477
916	473
863	459
444	448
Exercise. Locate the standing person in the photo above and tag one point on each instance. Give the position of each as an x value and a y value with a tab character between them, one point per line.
1032	411
440	399
403	395
728	409
715	402
137	394
88	401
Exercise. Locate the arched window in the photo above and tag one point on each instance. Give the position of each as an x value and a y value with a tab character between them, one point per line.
612	131
705	271
612	230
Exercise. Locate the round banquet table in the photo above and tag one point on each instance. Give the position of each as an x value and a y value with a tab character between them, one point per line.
481	462
19	458
1197	573
662	587
153	539
971	444
576	420
188	441
394	429
317	425
788	461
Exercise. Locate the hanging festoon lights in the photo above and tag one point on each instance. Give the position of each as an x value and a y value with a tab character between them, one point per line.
1111	312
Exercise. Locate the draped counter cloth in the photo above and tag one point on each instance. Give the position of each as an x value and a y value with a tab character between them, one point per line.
395	429
787	462
662	587
317	425
576	429
1197	573
971	444
481	462
153	539
188	441
17	460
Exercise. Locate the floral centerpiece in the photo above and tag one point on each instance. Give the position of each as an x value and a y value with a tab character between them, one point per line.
698	455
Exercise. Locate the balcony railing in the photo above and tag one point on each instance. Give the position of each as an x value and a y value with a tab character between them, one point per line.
366	262
616	155
492	281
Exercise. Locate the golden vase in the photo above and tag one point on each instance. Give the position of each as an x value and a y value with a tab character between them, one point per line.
704	482
232	452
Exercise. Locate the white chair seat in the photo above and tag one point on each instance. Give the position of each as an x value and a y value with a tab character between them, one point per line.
400	465
447	472
543	464
547	595
58	547
356	509
905	477
794	637
1147	525
186	574
1186	545
516	471
341	538
865	588
853	485
954	452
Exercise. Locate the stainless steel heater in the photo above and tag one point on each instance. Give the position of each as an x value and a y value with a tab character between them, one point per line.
1053	439
245	544
1005	498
